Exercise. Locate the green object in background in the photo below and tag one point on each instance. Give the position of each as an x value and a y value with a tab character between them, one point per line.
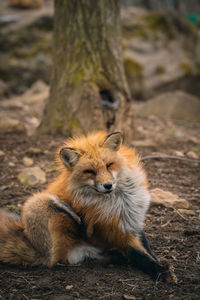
194	18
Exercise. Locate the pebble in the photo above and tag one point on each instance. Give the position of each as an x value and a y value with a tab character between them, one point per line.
34	150
11	164
129	297
32	176
27	161
167	199
2	153
8	125
3	187
69	287
178	153
192	155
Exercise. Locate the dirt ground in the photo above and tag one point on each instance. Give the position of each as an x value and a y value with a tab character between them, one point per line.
173	236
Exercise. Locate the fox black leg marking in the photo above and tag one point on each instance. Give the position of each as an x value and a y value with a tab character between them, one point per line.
146	245
147	264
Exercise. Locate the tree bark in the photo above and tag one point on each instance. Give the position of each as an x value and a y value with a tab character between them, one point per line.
88	88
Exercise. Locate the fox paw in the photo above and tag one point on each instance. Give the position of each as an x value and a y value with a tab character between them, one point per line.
166	274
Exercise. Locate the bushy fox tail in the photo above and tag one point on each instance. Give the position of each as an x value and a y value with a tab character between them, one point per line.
15	248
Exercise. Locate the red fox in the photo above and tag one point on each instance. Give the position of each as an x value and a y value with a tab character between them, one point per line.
97	204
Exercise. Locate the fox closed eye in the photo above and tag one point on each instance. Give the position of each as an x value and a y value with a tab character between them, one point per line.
109	165
89	172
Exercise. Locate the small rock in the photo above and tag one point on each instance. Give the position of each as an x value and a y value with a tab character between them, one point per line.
3	187
188	212
32	176
178	153
33	121
179	134
140	129
34	150
69	287
8	125
11	164
42	60
6	20
194	139
167	199
176	105
192	155
143	143
27	161
2	153
11	104
38	87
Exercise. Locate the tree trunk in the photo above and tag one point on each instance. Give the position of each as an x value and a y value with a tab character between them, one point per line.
88	88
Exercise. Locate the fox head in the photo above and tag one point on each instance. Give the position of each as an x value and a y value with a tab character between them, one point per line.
93	162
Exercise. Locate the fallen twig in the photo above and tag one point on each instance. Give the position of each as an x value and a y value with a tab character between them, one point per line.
167	223
168	157
176	210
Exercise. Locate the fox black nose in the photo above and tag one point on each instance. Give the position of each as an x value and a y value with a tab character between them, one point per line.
108	186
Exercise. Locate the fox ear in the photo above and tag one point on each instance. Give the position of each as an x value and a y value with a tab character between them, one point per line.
69	156
113	141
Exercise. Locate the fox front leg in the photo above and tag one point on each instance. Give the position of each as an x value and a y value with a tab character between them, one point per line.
146	263
139	257
146	245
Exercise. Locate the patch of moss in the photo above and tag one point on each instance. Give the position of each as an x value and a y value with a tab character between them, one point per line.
134	74
35	114
186	68
51	124
198	67
157	22
170	132
150	25
133	68
160	70
131	31
77	77
74	125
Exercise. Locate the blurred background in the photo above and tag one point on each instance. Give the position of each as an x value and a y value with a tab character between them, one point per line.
160	41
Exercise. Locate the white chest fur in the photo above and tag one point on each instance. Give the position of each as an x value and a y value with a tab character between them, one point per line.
129	201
